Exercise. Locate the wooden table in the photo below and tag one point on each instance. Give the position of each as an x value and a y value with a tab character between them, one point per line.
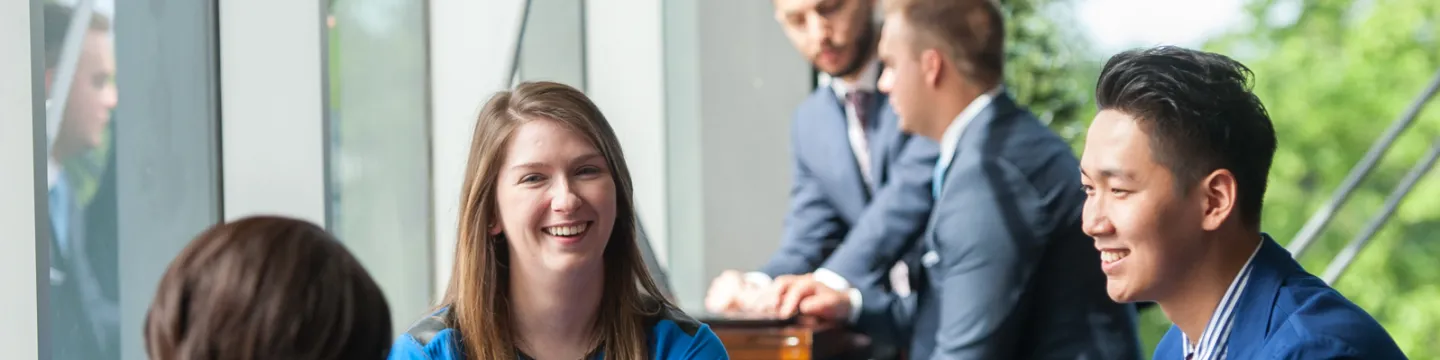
789	342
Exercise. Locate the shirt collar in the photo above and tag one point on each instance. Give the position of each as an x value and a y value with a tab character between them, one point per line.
868	79
1217	331
52	173
951	138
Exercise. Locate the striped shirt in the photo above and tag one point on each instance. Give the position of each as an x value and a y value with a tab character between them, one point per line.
1217	330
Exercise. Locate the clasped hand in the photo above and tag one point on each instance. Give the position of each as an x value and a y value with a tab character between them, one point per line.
784	297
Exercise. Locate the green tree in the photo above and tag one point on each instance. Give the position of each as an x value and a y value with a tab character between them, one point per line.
1047	68
1333	74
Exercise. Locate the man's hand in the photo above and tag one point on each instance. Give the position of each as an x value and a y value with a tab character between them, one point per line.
802	295
729	293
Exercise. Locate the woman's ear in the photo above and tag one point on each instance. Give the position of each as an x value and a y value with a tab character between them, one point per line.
492	229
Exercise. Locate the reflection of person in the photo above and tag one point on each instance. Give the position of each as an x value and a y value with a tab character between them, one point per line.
1175	166
546	264
82	276
860	193
1008	272
267	288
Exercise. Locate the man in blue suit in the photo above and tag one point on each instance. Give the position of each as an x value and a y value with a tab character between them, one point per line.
1008	274
861	187
1174	168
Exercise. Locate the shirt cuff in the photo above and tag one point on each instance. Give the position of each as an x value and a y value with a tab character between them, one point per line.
837	282
757	279
855	302
831	279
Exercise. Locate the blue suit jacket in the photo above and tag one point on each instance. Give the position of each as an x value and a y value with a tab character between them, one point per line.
1286	313
831	205
1008	272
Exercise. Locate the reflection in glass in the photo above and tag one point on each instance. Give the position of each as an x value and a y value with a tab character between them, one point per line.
80	100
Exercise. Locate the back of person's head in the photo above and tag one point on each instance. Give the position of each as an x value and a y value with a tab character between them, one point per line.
267	288
479	285
1200	113
57	24
970	33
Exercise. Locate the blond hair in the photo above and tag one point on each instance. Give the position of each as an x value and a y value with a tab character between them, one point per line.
971	33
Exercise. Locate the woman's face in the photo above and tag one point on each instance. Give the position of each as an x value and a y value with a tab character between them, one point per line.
556	198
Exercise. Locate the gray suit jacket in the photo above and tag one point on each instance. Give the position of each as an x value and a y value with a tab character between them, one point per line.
831	205
1008	274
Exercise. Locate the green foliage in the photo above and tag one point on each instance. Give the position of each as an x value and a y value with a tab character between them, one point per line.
1045	69
1333	80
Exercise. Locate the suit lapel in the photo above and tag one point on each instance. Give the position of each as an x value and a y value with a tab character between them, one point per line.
835	135
883	128
1253	314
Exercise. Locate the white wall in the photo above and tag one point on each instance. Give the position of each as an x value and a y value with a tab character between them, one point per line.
751	80
19	175
272	91
701	93
626	80
471	43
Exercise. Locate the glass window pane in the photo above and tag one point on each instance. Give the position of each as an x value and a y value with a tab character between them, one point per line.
552	46
379	138
131	154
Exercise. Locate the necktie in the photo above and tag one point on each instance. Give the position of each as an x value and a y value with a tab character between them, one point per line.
59	214
860	101
859	133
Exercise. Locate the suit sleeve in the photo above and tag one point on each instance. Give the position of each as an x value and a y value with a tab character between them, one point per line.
813	227
892	222
886	230
987	253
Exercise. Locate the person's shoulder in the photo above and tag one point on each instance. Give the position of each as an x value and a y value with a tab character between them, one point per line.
815	107
675	335
1315	319
430	338
1170	345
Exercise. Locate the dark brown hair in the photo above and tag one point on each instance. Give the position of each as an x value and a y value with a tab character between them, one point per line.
267	288
971	33
479	289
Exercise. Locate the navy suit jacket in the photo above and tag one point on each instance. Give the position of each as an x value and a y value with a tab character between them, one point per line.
831	205
1008	274
1286	313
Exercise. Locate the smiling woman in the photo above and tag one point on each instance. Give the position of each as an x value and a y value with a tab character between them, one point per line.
547	264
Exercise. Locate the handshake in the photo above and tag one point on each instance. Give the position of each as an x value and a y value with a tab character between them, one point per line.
804	297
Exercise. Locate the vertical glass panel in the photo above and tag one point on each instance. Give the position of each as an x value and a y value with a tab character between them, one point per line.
552	46
131	154
379	145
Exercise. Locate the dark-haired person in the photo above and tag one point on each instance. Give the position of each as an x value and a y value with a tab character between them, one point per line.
1174	167
267	287
1008	274
546	263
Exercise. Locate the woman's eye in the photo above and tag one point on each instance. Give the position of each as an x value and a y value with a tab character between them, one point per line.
531	178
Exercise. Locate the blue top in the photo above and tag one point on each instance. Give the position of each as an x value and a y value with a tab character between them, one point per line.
674	336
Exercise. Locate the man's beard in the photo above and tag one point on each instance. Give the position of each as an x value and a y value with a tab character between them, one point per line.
864	50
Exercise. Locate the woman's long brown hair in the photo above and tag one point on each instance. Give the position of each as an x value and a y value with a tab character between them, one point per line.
479	290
